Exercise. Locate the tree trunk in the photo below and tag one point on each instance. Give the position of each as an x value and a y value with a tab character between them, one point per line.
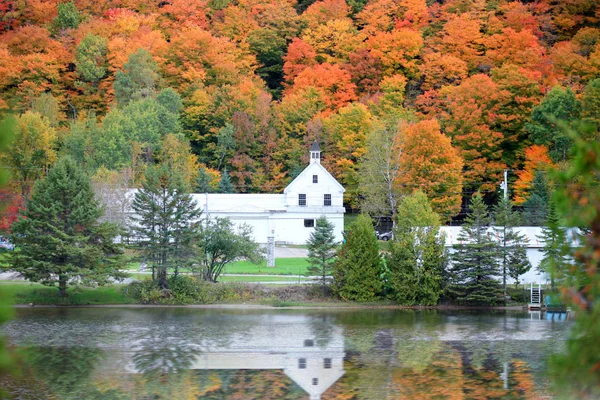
62	286
162	278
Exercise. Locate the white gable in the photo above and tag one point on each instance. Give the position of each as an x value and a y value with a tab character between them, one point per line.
326	180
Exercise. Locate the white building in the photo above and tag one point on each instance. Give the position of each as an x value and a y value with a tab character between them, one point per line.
289	217
534	244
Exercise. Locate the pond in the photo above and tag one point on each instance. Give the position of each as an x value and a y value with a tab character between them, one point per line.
189	353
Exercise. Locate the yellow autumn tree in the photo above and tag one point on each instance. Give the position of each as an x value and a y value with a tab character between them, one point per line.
32	151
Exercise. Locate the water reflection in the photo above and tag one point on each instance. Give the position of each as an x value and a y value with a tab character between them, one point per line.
210	354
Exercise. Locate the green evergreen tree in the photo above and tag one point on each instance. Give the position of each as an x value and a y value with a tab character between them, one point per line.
554	238
90	58
512	256
475	260
357	270
417	256
225	185
67	18
59	238
558	105
535	208
139	78
518	263
321	251
590	110
165	222
203	181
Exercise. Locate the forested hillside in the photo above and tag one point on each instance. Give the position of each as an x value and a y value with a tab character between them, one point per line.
402	94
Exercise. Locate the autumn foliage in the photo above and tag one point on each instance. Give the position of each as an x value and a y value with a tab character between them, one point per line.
285	72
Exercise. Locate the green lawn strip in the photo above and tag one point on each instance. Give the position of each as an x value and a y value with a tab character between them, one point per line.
264	278
288	278
25	293
283	266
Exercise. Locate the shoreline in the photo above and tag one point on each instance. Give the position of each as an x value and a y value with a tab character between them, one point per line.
243	306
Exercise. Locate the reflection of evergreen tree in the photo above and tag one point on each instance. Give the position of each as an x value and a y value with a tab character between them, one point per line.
67	371
158	354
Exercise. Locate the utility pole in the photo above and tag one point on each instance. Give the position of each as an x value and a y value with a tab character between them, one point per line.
504	184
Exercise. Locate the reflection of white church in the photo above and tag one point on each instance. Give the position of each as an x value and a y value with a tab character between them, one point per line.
289	217
281	342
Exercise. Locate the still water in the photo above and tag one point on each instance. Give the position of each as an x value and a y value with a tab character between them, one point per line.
186	353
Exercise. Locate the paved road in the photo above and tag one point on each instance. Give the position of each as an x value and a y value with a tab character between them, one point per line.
290	252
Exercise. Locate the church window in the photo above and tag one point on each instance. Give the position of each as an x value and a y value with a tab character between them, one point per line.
302	363
309	223
327	200
327	363
315	178
309	343
302	200
315	381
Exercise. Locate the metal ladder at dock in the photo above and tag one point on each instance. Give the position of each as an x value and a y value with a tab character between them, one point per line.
535	301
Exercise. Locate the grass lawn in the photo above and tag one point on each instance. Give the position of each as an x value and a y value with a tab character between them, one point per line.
288	278
283	266
265	278
25	293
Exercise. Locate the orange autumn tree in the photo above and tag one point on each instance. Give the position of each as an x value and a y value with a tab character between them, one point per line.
431	164
440	69
536	159
300	55
332	82
334	41
321	12
469	118
378	16
398	50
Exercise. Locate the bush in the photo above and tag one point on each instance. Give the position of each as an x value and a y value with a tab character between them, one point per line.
518	295
190	290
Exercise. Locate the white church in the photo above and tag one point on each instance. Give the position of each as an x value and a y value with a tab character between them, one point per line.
286	218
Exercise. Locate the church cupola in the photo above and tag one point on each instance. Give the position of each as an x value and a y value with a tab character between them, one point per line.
315	153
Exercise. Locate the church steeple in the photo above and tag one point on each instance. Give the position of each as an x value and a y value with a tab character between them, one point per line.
315	153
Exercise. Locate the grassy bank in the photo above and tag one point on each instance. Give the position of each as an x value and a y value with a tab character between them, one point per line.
198	293
26	293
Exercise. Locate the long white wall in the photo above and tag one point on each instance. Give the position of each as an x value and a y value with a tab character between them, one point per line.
268	215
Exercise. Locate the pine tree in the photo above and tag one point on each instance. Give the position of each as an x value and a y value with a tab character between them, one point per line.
518	263
357	270
512	258
225	185
166	221
417	255
475	260
554	238
536	206
321	250
203	182
59	238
